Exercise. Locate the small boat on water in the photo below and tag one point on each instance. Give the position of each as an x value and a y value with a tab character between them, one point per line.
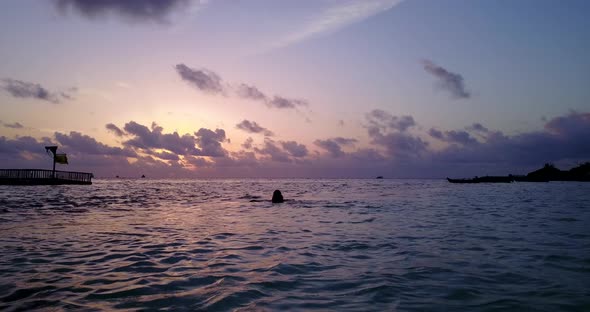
486	179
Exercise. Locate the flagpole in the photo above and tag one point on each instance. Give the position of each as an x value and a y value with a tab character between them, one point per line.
53	150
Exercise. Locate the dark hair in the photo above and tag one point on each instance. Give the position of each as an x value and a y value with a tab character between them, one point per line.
277	197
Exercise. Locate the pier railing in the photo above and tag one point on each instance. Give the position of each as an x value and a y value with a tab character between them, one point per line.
41	174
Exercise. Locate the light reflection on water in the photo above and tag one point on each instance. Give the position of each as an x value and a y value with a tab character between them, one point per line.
335	244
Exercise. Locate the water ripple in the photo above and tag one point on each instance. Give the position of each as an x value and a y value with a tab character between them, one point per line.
344	245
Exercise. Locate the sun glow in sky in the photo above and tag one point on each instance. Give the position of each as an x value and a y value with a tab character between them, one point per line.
322	88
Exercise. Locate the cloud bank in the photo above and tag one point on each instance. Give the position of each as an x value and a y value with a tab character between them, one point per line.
396	148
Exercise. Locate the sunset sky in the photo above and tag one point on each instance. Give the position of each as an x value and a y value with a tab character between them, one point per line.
319	88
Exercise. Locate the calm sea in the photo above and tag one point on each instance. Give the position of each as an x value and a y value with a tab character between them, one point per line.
338	245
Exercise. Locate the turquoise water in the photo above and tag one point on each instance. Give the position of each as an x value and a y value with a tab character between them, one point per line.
339	245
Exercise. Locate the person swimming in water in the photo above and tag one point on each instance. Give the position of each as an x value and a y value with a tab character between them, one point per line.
277	197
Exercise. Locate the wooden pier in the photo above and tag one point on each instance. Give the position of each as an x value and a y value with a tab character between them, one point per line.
43	177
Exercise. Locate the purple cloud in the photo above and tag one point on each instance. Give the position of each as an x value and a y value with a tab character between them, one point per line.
449	81
210	142
116	130
294	148
22	89
250	92
565	139
395	149
79	142
248	143
134	10
23	144
383	120
334	145
478	128
202	79
204	142
146	139
273	151
253	127
281	102
210	82
390	132
454	136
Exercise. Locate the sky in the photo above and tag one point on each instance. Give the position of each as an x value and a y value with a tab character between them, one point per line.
302	89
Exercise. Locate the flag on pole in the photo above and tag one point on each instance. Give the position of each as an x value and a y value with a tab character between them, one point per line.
61	159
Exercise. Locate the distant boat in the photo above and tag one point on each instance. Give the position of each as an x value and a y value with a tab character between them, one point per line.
143	176
379	177
486	179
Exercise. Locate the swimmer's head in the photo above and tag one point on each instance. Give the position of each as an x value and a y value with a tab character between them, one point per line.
277	197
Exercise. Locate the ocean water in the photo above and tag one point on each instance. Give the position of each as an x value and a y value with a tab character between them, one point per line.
335	245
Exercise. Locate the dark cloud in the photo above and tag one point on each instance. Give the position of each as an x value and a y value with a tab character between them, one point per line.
383	120
273	151
15	125
294	148
146	139
344	141
210	82
565	138
116	130
478	128
390	132
23	144
253	127
210	142
202	79
248	143
134	10
85	144
449	81
573	125
22	89
250	92
334	145
401	145
454	136
281	102
437	134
